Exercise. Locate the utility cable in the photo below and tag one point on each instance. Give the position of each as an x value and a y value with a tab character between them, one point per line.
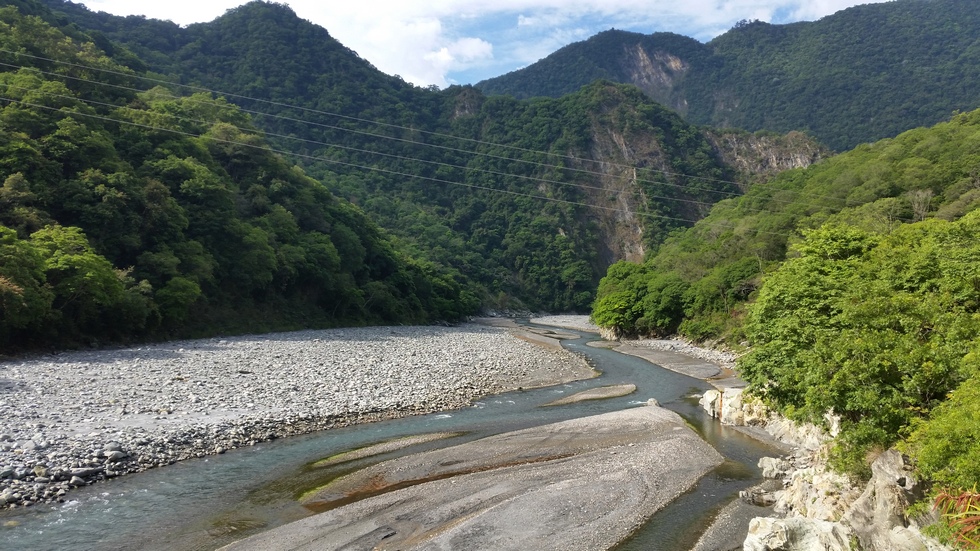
404	128
369	168
369	152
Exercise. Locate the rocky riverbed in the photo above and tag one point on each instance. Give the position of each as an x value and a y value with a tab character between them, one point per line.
71	419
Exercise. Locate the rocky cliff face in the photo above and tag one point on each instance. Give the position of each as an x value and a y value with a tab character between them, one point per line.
762	155
818	508
620	222
658	73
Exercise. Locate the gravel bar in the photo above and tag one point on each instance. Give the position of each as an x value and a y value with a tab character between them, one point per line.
73	418
576	322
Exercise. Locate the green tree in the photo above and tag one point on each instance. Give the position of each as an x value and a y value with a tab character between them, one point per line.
25	299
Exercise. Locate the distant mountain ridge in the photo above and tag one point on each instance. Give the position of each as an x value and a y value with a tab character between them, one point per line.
859	75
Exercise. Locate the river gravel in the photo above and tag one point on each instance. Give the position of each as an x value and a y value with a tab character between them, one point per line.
681	346
73	418
676	344
577	322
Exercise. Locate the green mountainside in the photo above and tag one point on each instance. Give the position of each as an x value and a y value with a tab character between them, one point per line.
528	201
130	215
865	73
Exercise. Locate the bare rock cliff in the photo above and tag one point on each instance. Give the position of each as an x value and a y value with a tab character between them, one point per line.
658	73
762	155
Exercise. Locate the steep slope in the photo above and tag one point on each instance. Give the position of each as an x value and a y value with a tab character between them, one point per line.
859	75
853	286
528	201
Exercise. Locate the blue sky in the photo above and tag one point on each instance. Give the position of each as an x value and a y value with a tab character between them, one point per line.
445	42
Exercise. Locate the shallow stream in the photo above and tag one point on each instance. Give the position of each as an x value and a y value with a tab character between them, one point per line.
205	503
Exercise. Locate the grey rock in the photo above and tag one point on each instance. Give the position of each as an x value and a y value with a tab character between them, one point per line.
796	534
87	471
773	467
113	457
758	497
878	516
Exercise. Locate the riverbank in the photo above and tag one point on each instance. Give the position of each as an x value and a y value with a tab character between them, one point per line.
74	418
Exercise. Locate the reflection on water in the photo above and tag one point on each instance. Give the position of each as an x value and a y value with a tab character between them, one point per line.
204	503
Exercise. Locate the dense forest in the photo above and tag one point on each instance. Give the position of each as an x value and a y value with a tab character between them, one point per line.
523	199
862	74
484	202
136	214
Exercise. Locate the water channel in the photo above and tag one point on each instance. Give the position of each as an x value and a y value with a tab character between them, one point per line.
205	503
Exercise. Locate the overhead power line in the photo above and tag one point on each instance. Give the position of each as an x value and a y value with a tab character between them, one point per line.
426	144
268	149
379	153
404	128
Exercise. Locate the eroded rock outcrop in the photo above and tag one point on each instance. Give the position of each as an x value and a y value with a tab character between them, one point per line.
732	408
817	508
877	517
796	533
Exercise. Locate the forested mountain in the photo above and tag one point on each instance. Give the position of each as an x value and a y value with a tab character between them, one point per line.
150	189
528	201
128	214
865	73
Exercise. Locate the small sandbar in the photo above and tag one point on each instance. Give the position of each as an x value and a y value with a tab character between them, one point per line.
383	447
601	393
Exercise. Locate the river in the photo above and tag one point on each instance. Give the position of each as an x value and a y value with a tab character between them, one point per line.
204	503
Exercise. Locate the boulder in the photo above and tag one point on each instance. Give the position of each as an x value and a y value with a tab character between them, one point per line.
732	407
710	402
817	493
774	467
877	517
796	534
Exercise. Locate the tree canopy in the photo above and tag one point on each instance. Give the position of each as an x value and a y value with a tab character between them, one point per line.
130	215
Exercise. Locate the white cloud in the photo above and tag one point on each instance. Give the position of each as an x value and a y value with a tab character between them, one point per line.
426	42
472	49
458	55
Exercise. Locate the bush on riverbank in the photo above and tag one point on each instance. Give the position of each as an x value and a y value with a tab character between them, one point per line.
878	330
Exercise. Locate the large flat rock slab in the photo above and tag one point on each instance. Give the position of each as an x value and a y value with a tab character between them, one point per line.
581	484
